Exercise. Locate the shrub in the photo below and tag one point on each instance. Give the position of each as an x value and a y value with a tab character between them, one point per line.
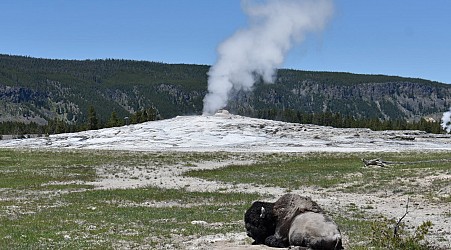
383	235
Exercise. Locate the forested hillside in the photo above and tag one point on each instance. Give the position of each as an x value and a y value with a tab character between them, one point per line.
36	89
359	96
43	90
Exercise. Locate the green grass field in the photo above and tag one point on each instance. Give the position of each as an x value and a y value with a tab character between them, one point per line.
341	172
47	201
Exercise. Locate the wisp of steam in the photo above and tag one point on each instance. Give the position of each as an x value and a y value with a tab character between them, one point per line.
255	52
446	121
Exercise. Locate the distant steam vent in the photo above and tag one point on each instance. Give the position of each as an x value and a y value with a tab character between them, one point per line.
446	121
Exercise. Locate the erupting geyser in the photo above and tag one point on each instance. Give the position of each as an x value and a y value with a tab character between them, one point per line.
255	52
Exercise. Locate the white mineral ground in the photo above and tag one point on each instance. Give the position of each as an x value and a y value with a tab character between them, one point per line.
231	133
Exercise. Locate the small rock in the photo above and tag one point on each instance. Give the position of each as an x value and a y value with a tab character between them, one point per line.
198	222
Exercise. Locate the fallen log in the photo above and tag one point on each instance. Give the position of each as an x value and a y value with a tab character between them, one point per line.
381	163
375	162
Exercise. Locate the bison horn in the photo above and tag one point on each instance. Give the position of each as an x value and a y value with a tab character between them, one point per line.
262	213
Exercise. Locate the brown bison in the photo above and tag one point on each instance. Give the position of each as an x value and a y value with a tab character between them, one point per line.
292	220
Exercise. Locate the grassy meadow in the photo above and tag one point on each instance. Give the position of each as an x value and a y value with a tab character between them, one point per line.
48	199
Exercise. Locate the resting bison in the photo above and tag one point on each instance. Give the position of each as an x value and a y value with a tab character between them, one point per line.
292	220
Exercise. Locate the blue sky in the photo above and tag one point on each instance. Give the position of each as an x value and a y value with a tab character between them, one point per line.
409	38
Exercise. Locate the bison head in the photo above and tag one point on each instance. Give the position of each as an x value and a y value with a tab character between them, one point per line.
260	221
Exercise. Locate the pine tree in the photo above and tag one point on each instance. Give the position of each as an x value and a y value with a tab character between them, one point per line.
136	117
113	121
60	126
92	118
152	114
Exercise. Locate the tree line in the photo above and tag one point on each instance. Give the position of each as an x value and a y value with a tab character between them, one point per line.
338	120
58	126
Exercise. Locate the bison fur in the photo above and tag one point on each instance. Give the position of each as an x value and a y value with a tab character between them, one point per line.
292	220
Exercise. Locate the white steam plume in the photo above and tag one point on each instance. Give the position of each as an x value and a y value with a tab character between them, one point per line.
255	52
446	121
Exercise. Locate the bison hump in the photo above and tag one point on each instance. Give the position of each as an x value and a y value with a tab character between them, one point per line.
287	207
290	205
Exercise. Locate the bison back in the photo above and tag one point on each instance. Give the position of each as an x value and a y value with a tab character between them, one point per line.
316	231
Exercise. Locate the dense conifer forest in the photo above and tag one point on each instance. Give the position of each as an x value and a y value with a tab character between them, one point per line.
46	96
